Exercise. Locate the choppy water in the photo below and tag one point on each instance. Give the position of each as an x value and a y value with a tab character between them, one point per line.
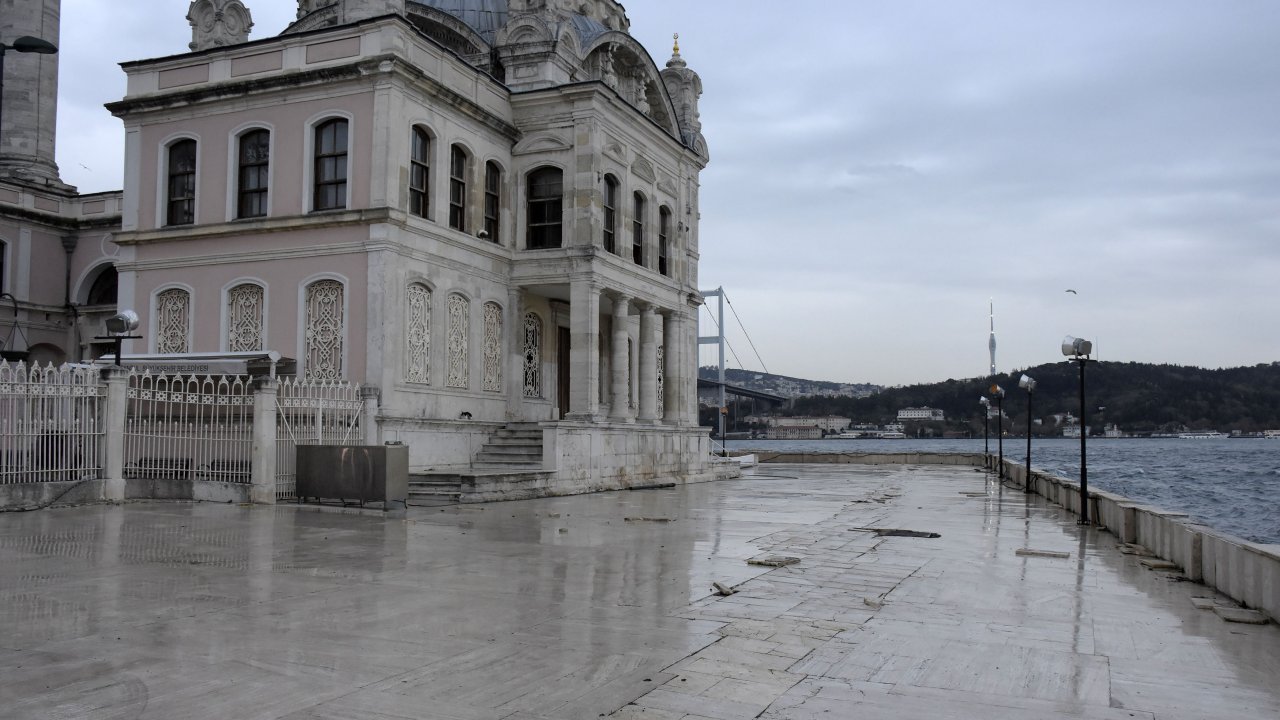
1231	485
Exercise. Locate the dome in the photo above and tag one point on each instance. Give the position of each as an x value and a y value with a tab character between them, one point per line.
486	17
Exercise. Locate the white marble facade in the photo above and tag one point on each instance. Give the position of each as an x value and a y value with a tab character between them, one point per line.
486	209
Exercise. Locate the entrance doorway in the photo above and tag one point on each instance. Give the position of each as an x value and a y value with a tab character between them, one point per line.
562	370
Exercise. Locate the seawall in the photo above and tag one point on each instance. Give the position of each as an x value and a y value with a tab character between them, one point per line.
1248	573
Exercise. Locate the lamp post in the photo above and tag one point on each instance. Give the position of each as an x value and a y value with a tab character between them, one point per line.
986	421
998	393
1028	384
24	44
118	328
1079	350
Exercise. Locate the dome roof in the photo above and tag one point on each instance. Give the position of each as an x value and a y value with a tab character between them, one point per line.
486	17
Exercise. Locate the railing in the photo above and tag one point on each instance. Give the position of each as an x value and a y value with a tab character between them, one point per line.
50	426
312	412
189	427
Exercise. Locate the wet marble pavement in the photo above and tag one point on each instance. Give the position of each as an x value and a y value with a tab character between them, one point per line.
601	605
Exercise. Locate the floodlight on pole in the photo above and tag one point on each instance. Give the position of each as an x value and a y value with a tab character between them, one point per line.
118	328
986	419
1078	351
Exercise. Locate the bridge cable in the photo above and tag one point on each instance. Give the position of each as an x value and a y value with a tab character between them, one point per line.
728	344
744	332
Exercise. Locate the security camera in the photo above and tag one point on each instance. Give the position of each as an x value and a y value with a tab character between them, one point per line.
122	323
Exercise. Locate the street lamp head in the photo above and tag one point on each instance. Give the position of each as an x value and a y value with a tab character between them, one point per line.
997	391
28	44
122	323
985	402
1027	383
1076	347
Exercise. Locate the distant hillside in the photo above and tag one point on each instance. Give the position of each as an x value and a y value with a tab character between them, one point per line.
1139	397
789	387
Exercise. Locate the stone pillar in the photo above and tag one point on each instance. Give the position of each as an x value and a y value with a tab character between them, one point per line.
584	350
688	340
648	365
117	407
370	400
29	119
262	489
671	368
620	395
515	353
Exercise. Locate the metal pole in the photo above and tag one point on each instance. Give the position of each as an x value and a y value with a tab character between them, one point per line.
723	409
1084	466
1028	479
1000	431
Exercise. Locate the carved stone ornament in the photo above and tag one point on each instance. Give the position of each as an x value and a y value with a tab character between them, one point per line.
216	23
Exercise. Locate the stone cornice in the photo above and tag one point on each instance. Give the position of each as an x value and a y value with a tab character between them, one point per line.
310	221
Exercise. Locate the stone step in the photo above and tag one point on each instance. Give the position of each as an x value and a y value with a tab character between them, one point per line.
530	450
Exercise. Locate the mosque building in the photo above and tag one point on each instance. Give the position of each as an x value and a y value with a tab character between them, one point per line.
484	210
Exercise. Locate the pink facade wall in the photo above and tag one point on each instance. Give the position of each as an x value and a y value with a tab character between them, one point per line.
216	146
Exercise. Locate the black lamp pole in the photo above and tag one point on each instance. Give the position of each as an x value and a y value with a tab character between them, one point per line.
986	432
1084	435
1029	394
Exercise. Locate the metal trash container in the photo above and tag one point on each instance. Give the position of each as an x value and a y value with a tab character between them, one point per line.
363	473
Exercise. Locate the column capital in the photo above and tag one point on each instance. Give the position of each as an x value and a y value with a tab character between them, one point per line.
621	303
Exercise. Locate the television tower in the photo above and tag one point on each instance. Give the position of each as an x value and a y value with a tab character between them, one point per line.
991	315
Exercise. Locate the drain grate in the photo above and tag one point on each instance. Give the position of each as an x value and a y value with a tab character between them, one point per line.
894	532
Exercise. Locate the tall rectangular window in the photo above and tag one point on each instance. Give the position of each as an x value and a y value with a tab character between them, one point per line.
664	230
637	230
419	168
610	214
255	159
330	165
182	183
544	208
492	199
458	188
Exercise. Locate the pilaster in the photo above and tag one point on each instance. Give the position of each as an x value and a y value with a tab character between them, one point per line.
619	408
584	350
648	365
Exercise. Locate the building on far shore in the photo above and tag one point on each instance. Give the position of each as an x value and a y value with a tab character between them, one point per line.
926	414
795	432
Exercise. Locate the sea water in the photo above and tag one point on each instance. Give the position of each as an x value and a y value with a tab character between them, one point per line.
1229	484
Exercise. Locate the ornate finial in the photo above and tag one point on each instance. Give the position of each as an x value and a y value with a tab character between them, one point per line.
216	23
675	50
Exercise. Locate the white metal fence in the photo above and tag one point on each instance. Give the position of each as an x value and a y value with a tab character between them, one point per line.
50	423
312	412
189	427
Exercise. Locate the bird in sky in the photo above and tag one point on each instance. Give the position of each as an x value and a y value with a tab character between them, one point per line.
1073	292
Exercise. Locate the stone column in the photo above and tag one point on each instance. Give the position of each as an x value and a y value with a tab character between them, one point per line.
619	408
584	350
28	134
671	368
515	353
262	489
648	365
117	407
370	400
689	367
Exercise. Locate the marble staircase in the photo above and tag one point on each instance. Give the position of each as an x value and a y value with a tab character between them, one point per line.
510	459
516	447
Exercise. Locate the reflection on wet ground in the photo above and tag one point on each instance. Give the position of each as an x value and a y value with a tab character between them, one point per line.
602	605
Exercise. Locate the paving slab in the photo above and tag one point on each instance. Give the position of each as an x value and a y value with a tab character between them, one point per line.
164	610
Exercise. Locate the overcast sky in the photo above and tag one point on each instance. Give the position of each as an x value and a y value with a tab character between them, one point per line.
880	169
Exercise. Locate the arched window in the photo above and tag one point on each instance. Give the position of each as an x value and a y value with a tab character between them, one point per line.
330	165
492	199
458	188
325	329
492	380
419	171
611	213
182	183
532	355
664	242
173	321
637	229
246	316
105	287
545	208
255	165
417	340
459	341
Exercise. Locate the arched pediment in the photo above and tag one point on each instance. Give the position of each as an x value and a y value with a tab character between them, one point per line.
446	29
314	20
525	29
643	169
541	142
620	62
